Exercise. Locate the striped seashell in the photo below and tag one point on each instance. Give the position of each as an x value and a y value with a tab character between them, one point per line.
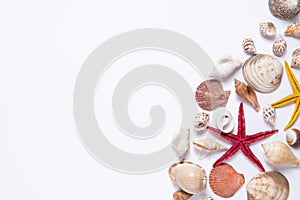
279	46
267	29
248	46
296	59
269	114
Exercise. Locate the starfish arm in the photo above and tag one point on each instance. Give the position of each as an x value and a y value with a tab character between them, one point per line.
259	136
241	122
292	78
249	154
294	115
228	154
227	136
286	100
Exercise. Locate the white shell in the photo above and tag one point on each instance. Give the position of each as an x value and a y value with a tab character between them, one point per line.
284	9
201	121
181	142
269	114
226	66
208	144
189	176
279	46
263	72
224	121
292	136
248	46
296	58
279	153
267	29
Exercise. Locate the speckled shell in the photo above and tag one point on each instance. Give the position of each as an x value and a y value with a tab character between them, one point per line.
271	185
263	72
181	195
292	136
225	181
293	30
269	114
189	176
284	9
267	29
224	121
181	142
279	46
210	95
296	59
201	121
248	46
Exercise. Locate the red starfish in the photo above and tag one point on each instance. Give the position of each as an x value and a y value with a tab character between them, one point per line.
241	141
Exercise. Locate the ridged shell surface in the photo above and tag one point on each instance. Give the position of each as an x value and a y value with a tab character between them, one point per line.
267	29
284	9
271	185
279	46
296	59
248	46
263	72
269	114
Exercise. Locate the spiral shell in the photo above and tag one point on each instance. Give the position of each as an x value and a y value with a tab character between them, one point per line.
296	58
267	29
271	185
201	121
284	9
181	195
293	30
279	46
208	144
181	142
226	66
224	121
189	176
293	136
269	114
248	46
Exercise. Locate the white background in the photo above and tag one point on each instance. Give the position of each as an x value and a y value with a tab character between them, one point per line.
43	45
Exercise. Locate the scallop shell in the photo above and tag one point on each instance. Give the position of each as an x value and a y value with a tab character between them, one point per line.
248	46
224	121
293	30
201	121
189	176
246	92
296	58
279	46
181	142
263	72
284	9
293	136
226	66
208	144
210	95
269	114
224	180
181	195
267	29
279	153
271	185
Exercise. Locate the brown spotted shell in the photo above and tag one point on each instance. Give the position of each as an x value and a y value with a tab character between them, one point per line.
279	46
210	95
284	9
225	181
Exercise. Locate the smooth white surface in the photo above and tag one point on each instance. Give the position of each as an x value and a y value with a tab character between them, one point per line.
42	46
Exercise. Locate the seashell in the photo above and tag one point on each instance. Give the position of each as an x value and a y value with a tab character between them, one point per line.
246	92
225	181
293	30
296	58
189	176
267	29
181	195
269	114
226	66
208	145
279	153
201	121
181	142
248	46
263	72
224	121
207	198
279	46
210	95
292	136
271	185
284	9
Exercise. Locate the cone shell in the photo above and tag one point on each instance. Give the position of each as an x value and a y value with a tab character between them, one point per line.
226	66
279	46
284	9
271	185
293	136
225	181
208	145
210	95
224	121
201	121
181	195
279	153
248	46
263	72
269	114
293	30
189	176
296	59
246	92
267	29
181	142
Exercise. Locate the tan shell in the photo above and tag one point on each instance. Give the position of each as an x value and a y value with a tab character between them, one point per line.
225	181
224	121
201	121
189	176
210	95
246	92
271	185
208	145
296	59
263	72
279	46
269	114
181	142
284	9
293	136
267	29
181	195
279	153
248	46
293	30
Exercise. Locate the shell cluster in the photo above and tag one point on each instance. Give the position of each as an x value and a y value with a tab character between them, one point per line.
293	30
284	9
248	46
292	136
279	46
267	29
296	59
201	121
269	114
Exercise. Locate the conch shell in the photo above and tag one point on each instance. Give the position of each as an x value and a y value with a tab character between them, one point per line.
226	66
296	59
181	195
248	46
279	153
293	30
181	142
279	46
293	136
267	29
208	145
246	92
